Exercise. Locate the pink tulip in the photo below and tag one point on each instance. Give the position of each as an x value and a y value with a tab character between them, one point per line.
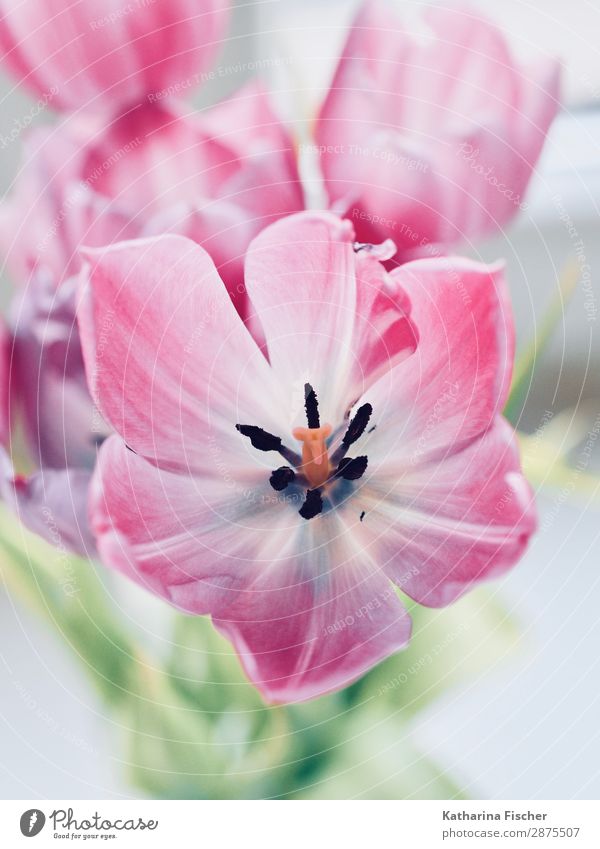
289	496
431	137
53	206
105	54
217	177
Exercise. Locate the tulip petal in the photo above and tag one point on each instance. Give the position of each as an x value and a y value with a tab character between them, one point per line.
445	504
52	503
48	384
430	133
169	393
55	207
449	523
455	384
301	624
222	228
217	177
103	53
155	155
299	637
330	315
193	540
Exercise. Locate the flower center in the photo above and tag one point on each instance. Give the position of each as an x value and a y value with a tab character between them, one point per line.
315	468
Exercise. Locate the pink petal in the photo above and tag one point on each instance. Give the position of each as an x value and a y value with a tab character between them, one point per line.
302	625
444	502
441	129
267	185
192	539
223	229
325	311
27	215
218	177
53	208
168	359
107	54
155	155
52	503
5	344
195	540
455	384
300	636
158	155
48	384
447	523
383	333
246	122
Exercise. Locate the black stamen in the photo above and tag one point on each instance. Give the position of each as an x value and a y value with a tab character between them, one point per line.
352	469
362	515
281	478
357	426
312	505
311	405
260	438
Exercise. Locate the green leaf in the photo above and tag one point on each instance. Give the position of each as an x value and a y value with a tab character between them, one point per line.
378	758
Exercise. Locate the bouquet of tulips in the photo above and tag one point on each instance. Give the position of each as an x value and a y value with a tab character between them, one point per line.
282	420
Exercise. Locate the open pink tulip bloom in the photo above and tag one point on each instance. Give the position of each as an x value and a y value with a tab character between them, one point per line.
100	54
289	494
429	136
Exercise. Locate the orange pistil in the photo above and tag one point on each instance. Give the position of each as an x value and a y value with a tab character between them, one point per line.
315	459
